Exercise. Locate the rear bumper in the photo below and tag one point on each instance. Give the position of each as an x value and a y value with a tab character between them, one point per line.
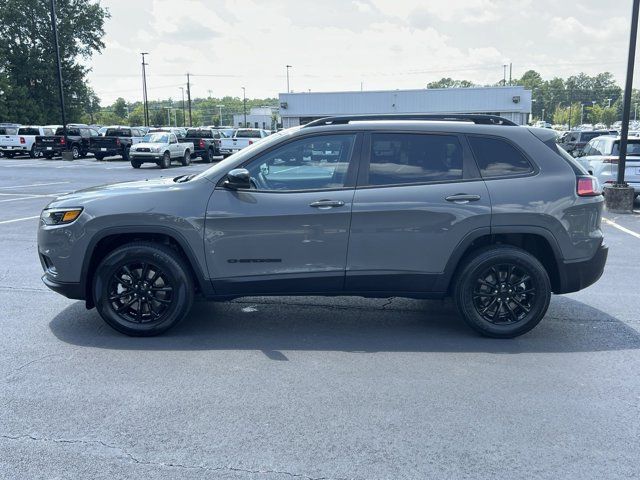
575	276
69	290
52	150
109	152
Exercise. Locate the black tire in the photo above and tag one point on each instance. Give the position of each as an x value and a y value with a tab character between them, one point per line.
75	152
136	163
48	156
143	289
208	155
502	291
125	155
186	158
165	162
99	156
33	153
9	154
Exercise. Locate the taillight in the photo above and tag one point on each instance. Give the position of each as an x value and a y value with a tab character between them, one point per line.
201	143
588	186
22	140
62	140
611	160
118	142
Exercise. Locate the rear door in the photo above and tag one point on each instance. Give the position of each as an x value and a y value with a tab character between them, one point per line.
418	196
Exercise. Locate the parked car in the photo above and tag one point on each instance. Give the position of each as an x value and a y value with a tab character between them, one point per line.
206	143
179	132
494	215
227	131
116	141
600	159
243	137
77	141
160	148
23	142
575	140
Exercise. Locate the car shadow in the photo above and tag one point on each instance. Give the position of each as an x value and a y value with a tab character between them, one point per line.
274	325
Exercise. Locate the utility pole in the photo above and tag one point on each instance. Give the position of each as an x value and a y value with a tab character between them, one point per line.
570	105
288	89
510	71
543	114
504	74
581	113
619	196
220	114
184	113
189	99
144	90
244	105
60	87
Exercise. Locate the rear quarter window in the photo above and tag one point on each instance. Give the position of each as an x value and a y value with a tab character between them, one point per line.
28	131
498	158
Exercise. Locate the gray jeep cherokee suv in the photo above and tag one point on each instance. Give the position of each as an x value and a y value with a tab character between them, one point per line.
495	215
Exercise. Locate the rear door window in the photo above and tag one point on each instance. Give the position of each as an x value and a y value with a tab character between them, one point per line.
498	158
405	158
28	131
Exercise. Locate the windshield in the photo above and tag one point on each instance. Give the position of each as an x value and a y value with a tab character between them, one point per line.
8	130
156	138
248	134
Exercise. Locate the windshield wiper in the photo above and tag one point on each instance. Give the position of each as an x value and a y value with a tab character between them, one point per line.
184	178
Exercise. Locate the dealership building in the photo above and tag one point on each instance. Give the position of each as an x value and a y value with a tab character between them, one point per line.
512	102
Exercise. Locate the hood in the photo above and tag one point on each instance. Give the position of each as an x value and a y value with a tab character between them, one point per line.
83	197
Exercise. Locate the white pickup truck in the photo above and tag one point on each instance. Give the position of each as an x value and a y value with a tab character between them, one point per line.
23	142
160	148
241	139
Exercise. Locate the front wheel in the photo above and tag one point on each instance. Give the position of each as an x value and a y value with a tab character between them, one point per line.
165	162
186	158
143	289
502	291
135	163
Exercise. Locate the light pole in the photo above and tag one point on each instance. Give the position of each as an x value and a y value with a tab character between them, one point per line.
593	106
609	100
184	113
635	112
220	114
61	91
543	114
581	113
244	105
288	89
144	90
504	74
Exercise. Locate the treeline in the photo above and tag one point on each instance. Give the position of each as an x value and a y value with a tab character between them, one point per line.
204	111
577	99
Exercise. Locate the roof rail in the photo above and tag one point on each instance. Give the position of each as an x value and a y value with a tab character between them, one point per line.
478	119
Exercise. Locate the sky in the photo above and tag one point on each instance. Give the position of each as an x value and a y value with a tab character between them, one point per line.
337	45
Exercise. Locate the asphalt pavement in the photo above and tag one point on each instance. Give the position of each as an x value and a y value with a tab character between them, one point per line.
308	387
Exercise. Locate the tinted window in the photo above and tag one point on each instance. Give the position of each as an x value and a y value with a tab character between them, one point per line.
248	134
74	132
398	158
8	130
118	132
586	136
633	148
318	162
497	157
28	131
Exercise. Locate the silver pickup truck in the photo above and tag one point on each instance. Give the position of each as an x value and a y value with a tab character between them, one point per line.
241	139
160	148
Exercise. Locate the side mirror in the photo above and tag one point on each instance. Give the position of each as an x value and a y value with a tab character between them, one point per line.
238	179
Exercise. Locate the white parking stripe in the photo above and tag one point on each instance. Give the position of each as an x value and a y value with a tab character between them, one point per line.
33	185
18	219
620	227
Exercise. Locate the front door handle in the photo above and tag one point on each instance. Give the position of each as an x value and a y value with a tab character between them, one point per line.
325	204
462	198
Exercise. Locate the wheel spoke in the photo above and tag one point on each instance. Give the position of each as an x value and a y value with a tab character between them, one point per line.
486	284
162	300
523	307
125	305
145	271
129	272
488	306
511	312
119	295
161	289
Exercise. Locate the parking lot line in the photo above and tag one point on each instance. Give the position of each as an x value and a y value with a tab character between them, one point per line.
18	219
33	185
620	227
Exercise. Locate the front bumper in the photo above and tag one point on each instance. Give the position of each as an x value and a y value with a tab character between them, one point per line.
145	156
74	291
575	276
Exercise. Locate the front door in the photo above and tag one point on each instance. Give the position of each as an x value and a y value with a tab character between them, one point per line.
418	196
289	232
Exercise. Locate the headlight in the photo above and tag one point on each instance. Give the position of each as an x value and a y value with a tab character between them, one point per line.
60	216
155	149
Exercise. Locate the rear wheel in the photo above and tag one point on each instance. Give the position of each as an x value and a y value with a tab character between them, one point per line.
502	291
48	156
143	289
186	158
9	154
125	154
165	162
75	152
33	153
99	156
135	163
208	155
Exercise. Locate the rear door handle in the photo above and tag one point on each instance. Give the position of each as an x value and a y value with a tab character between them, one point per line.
325	204
462	198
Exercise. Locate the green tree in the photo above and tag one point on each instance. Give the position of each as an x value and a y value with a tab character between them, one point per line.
120	108
447	82
27	57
